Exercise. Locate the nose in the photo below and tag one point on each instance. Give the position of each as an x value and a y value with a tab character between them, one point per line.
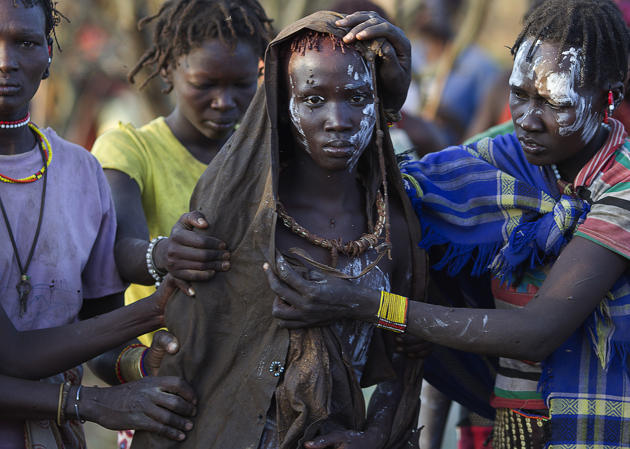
337	118
8	61
223	100
530	119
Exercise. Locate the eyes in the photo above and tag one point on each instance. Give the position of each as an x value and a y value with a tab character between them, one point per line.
518	95
357	99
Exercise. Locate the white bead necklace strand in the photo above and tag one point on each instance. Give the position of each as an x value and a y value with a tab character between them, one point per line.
554	167
16	124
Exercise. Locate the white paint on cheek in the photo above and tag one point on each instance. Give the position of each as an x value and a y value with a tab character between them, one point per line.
356	76
350	69
361	138
295	117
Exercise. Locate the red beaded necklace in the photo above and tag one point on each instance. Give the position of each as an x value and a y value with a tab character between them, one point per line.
17	123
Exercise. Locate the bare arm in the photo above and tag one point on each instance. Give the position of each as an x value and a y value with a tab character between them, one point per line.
186	255
56	349
161	405
577	283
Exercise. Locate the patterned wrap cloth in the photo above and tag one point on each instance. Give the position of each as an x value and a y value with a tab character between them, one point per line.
492	208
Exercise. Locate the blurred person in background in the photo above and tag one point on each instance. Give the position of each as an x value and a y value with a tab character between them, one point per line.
449	84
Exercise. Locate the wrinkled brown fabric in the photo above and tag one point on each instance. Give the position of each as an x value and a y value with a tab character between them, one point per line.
232	351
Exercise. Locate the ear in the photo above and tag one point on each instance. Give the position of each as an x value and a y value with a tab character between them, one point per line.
49	42
618	89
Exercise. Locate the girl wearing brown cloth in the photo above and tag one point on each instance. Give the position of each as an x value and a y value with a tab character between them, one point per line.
313	148
546	210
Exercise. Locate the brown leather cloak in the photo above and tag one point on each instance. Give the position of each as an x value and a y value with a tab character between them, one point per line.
232	351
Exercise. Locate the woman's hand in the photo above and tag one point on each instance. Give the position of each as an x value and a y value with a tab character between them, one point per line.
348	439
312	302
394	70
162	405
163	343
189	256
412	346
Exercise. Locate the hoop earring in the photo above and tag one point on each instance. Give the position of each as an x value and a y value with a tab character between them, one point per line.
611	107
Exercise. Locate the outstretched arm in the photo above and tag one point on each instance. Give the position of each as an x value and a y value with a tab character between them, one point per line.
56	349
163	405
394	69
580	278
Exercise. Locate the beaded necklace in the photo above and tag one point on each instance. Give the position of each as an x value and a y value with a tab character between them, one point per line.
17	123
335	246
45	147
24	287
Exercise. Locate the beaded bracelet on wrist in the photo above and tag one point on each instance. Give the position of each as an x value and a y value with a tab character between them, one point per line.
392	312
151	268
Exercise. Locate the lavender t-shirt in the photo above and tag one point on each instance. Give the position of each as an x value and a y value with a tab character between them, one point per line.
74	257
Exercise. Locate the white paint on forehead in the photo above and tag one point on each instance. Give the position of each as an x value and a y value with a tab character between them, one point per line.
558	87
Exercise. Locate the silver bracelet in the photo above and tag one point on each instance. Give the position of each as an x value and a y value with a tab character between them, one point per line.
151	268
76	405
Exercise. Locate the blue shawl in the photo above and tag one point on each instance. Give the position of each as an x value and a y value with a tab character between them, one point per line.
494	211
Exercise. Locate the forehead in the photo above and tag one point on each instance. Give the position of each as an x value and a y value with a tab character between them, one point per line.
213	57
18	18
546	59
329	63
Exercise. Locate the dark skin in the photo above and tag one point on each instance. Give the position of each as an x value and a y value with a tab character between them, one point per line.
319	188
24	62
579	279
213	85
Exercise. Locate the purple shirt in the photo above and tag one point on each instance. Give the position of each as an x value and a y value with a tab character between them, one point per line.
74	257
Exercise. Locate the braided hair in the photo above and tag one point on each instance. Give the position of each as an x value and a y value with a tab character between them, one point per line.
595	26
182	25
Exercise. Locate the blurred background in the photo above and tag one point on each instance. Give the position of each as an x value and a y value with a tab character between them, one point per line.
88	91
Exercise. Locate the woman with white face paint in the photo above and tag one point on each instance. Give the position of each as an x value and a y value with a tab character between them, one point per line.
546	210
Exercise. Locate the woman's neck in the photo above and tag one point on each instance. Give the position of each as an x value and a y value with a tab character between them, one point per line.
570	168
304	184
201	147
16	140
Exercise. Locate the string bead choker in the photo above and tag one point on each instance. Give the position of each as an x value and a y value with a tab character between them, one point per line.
17	123
556	172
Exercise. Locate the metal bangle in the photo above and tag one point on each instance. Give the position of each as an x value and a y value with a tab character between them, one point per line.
77	398
151	268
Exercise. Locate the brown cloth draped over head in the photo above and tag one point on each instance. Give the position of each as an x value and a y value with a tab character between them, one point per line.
232	350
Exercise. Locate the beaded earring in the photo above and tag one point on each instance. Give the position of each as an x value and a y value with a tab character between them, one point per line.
611	107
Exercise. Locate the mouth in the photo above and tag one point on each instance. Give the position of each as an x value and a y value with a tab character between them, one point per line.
9	88
221	124
531	147
339	148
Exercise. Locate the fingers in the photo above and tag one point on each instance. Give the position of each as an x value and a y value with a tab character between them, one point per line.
194	219
177	405
178	386
368	25
184	286
323	442
165	423
290	276
281	288
163	343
